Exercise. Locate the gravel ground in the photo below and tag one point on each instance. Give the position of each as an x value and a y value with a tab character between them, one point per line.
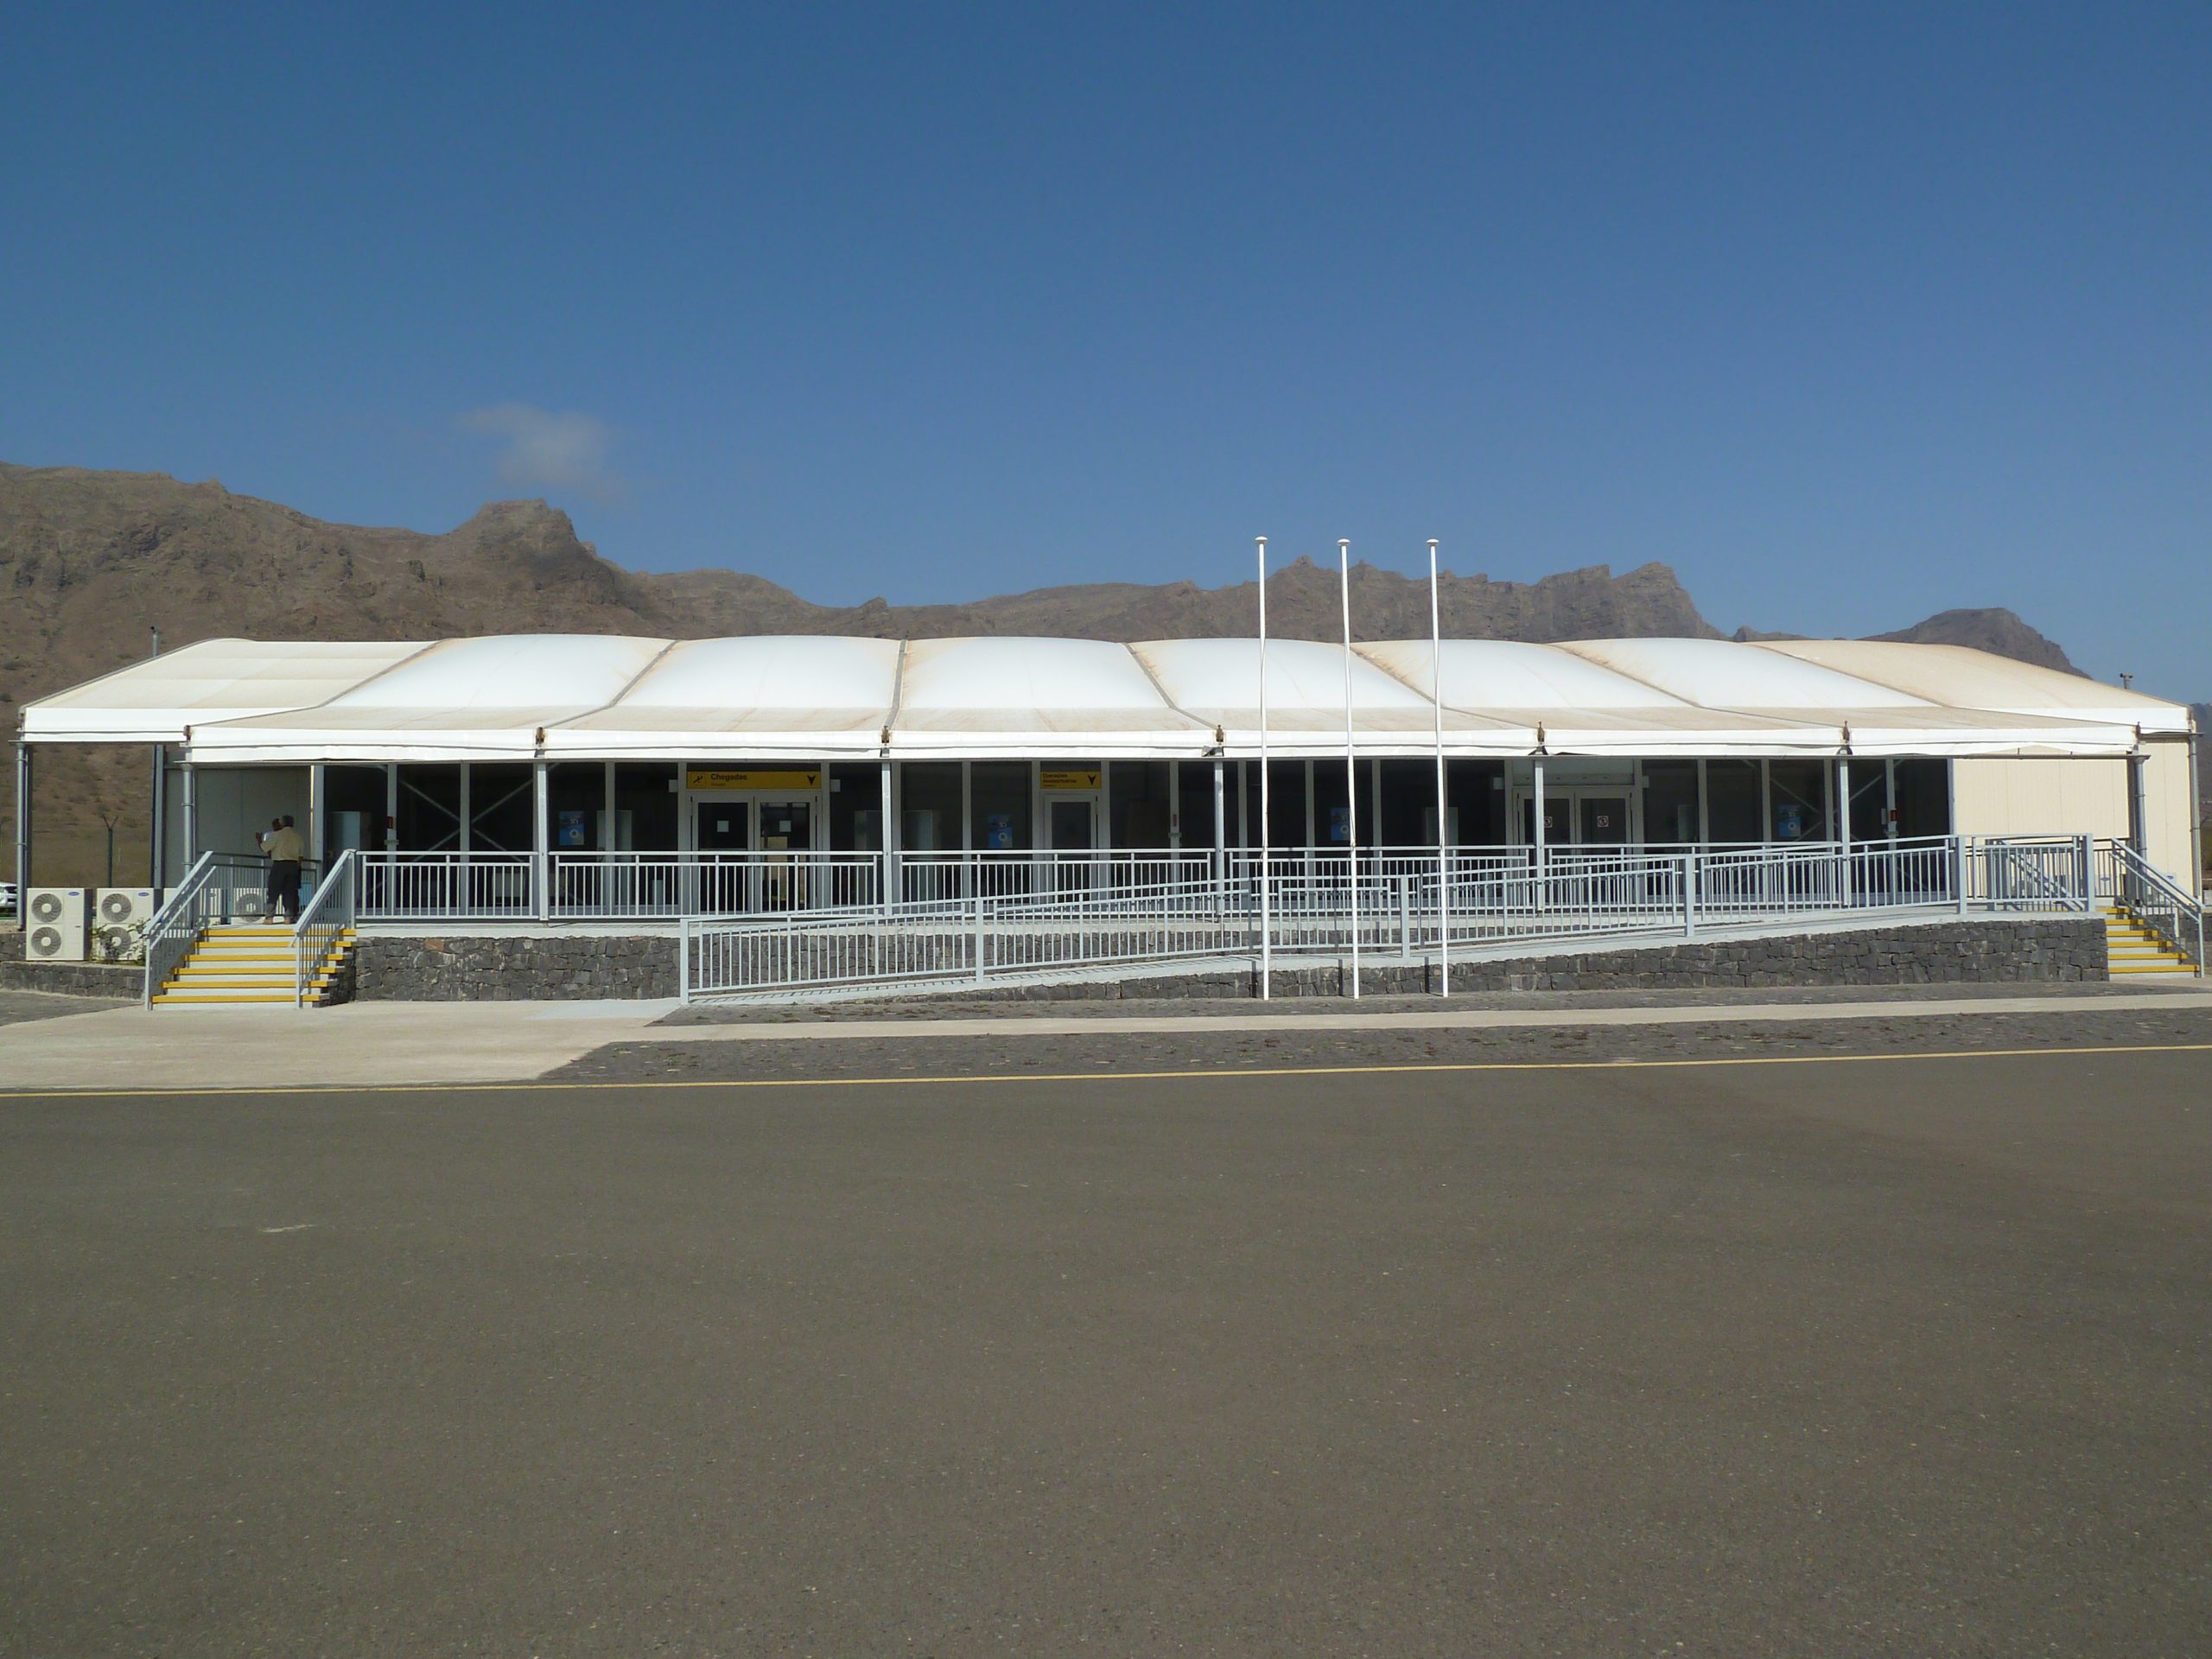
1128	1050
17	1007
956	1007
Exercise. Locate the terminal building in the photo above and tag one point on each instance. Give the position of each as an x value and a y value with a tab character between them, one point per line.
587	777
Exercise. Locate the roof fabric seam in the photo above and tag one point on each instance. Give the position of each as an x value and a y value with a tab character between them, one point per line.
1654	685
1144	668
897	695
659	657
414	656
129	668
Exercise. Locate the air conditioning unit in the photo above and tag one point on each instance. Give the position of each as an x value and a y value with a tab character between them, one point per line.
53	923
119	918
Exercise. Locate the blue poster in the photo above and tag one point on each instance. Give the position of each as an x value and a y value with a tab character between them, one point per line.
1790	823
998	831
574	831
1339	825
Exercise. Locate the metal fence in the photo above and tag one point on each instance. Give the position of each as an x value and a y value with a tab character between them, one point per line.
1100	913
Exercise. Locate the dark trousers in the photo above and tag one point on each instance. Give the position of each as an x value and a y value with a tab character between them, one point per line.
285	887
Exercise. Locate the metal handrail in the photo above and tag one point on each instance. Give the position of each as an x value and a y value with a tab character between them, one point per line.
2156	899
324	917
209	893
2036	872
176	925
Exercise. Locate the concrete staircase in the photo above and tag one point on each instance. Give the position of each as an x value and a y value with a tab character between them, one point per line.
2133	949
249	964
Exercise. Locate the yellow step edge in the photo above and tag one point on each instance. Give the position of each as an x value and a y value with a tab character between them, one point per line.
227	997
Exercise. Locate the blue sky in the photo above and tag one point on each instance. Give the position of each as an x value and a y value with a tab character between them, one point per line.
1850	313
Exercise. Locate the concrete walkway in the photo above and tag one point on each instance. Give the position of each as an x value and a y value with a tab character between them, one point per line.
136	1048
271	1047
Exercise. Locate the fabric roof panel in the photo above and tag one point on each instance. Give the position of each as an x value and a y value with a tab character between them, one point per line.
1959	676
764	693
153	702
1723	674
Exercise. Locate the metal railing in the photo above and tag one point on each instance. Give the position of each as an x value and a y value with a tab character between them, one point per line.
218	887
2152	898
1102	912
177	925
325	916
2028	873
785	921
448	887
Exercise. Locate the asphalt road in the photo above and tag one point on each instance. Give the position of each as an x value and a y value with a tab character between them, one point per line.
1893	1354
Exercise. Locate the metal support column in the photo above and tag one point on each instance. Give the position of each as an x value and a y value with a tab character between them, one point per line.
888	851
157	854
391	838
1843	826
1220	823
968	828
2139	817
191	813
1536	798
23	836
541	860
609	837
316	809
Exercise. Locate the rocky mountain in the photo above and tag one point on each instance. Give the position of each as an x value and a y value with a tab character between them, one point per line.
92	562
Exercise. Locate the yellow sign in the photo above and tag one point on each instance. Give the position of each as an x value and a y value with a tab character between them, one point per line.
1069	779
699	778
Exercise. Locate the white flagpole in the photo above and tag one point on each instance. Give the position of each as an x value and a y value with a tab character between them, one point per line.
1443	802
1352	765
1266	926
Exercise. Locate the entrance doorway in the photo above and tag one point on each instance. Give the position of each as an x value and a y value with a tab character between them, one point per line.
759	833
1071	828
1073	822
1593	816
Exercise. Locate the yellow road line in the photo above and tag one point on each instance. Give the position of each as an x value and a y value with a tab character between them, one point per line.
537	1085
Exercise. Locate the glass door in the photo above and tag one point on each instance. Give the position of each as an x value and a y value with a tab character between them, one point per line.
1070	827
786	828
1601	820
724	827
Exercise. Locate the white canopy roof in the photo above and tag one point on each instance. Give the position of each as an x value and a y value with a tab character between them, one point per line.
592	695
765	694
152	702
1873	717
1579	706
1956	677
1218	681
1012	697
464	699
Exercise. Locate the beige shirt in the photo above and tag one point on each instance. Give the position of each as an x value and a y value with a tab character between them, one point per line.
286	846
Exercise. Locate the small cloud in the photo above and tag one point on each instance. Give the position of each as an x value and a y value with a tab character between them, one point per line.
549	452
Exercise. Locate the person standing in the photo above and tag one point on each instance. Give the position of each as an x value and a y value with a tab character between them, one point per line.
262	844
286	849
